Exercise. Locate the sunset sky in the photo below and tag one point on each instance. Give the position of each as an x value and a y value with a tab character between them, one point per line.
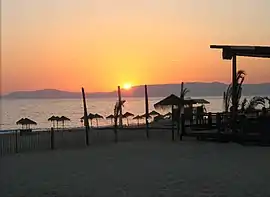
99	44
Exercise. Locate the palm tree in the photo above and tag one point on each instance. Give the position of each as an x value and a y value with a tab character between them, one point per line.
227	96
183	93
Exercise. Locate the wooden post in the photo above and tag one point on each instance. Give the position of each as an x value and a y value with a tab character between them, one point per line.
234	93
115	129
16	141
210	120
120	111
183	128
146	111
172	125
86	122
218	122
52	138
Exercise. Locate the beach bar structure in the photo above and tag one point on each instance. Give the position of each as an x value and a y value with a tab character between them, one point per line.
230	52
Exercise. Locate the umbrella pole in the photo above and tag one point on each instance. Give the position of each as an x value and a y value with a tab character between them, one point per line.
97	122
172	125
146	110
120	107
127	122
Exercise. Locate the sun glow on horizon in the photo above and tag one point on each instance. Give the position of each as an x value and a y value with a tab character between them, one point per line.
127	86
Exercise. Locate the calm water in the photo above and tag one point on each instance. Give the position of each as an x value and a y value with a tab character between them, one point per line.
41	109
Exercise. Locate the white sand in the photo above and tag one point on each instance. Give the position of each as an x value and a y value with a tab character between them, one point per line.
140	168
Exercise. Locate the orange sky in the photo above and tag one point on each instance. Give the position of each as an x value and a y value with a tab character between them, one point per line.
66	44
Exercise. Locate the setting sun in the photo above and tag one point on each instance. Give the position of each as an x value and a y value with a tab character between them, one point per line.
127	86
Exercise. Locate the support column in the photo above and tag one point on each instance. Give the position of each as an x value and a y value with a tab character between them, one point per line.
234	93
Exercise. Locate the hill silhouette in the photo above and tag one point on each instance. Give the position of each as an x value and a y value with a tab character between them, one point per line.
161	90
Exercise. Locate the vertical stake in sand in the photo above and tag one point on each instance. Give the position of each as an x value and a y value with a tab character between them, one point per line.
120	107
52	138
16	141
146	111
172	124
86	123
181	115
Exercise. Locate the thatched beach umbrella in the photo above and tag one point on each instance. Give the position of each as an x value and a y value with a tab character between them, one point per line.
91	117
169	114
21	121
111	117
154	113
63	119
26	122
53	119
57	119
168	102
97	116
138	117
159	117
144	116
127	115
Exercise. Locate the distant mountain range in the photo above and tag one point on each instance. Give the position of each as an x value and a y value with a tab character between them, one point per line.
196	89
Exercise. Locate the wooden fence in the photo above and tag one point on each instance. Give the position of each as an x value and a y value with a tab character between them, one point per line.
209	125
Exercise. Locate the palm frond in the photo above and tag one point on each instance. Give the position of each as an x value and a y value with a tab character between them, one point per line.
227	97
184	92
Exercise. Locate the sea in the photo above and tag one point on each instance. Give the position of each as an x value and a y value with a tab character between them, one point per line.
40	110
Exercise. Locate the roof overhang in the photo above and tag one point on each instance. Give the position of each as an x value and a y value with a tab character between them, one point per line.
229	51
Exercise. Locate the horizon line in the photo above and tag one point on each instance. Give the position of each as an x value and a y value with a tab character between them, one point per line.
63	90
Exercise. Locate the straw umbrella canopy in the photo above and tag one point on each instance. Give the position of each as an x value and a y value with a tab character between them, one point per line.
53	119
159	117
174	100
21	121
201	101
144	116
127	115
26	122
57	119
168	114
111	117
90	117
63	119
138	117
97	116
167	102
154	113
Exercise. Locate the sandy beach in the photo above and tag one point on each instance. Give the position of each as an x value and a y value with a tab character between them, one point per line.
139	168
